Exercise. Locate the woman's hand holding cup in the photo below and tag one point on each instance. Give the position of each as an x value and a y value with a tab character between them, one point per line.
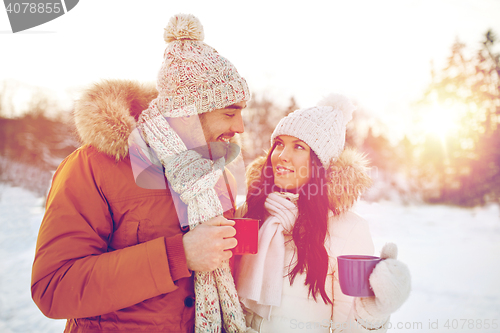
391	284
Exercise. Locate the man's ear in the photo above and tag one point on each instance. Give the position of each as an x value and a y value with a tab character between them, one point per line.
187	120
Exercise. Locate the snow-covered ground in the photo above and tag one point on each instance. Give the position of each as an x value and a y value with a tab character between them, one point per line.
454	257
20	215
453	254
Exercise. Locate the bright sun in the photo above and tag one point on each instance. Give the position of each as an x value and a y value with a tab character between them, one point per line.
441	121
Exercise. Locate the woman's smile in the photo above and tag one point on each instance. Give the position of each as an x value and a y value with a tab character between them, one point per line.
282	171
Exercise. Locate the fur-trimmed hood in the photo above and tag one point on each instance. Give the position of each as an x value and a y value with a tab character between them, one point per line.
348	178
107	113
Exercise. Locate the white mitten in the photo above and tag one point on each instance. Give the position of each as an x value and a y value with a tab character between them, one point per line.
391	284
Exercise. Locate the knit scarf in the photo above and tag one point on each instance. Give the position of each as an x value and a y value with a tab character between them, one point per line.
194	178
260	277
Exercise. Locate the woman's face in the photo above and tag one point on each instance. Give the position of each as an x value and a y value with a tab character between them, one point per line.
291	161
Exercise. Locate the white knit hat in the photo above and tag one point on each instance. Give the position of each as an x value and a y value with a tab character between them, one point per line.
194	78
322	127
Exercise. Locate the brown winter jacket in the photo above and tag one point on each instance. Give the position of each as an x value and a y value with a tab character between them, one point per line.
109	255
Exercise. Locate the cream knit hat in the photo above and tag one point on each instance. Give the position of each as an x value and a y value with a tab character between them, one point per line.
322	127
194	78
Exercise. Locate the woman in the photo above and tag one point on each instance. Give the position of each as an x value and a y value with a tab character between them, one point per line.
302	192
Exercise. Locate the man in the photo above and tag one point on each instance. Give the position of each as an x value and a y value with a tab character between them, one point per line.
112	254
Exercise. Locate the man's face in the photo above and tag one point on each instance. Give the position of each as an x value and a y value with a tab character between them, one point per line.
222	124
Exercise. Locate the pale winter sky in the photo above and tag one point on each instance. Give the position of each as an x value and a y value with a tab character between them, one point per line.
377	52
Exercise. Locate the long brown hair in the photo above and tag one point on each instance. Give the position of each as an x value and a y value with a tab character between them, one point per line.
309	231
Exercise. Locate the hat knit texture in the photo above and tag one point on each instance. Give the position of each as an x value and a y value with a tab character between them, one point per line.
321	127
194	78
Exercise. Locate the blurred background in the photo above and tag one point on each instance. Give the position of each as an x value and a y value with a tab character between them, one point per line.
424	75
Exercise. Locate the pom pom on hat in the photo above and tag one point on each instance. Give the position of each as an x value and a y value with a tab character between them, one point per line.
194	78
183	26
340	102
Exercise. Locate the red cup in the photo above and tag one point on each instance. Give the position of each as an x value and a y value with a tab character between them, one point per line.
354	274
247	235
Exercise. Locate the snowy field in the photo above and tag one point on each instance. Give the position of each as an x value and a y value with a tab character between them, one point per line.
453	254
454	257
